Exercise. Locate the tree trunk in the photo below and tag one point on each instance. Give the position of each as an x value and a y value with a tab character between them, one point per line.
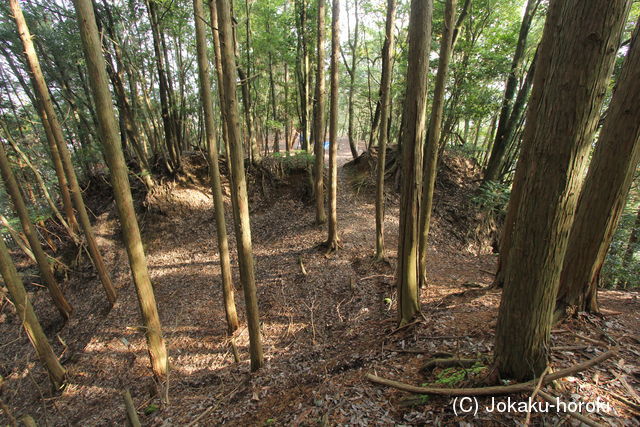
412	140
500	143
51	118
561	122
332	240
214	172
213	12
430	168
120	183
385	101
353	143
318	121
29	319
46	274
239	185
166	107
605	191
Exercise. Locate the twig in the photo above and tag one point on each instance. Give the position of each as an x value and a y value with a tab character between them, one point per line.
375	276
591	340
588	421
496	390
569	347
626	385
533	395
302	269
404	327
624	400
132	415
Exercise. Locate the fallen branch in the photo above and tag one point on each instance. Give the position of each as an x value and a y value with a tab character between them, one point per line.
496	390
575	415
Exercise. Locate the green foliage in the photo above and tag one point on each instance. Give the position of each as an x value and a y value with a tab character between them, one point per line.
493	196
452	376
151	409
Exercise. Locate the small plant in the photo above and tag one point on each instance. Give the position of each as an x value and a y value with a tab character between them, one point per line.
454	375
151	409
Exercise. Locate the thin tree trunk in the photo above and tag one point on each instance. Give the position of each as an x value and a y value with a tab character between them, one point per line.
549	173
29	319
120	183
385	100
52	119
333	240
46	274
430	167
353	144
500	143
605	191
239	185
214	172
412	141
318	120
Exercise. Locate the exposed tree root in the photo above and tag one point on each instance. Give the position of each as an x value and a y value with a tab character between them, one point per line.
495	390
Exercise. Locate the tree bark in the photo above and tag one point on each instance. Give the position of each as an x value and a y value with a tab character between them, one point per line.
385	100
605	191
239	185
29	319
120	183
214	172
51	118
412	141
332	240
318	120
430	168
561	122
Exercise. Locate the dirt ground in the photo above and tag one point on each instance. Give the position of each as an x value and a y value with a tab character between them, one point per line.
322	332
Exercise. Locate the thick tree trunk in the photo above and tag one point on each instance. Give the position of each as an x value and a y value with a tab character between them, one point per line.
120	183
500	143
214	172
332	240
430	167
46	274
561	122
51	118
412	141
385	101
318	121
605	191
239	184
29	319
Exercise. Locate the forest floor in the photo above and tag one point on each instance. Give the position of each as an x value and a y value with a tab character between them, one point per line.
322	332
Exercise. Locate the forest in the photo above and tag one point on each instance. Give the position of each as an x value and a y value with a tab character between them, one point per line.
319	212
